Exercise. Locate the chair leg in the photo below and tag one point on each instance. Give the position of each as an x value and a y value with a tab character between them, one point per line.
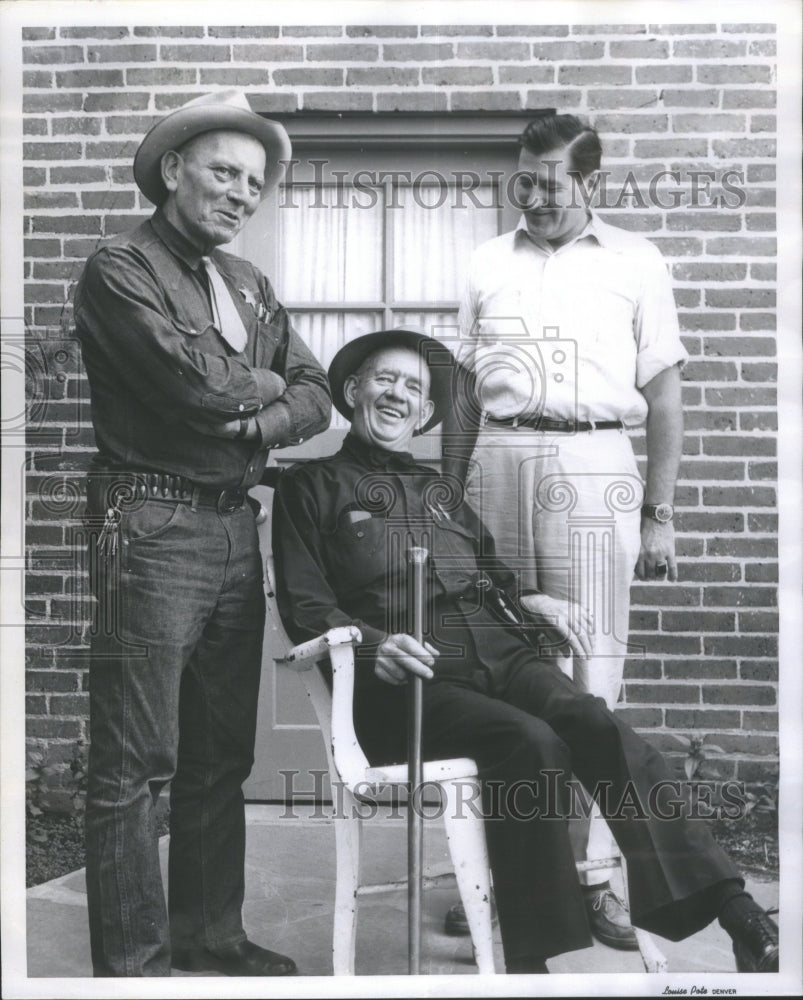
348	839
465	833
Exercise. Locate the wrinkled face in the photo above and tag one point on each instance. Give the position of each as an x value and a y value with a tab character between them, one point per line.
547	195
390	396
213	186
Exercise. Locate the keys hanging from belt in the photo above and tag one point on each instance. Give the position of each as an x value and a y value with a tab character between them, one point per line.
108	539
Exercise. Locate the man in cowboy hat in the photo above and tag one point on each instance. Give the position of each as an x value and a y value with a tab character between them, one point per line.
195	374
488	694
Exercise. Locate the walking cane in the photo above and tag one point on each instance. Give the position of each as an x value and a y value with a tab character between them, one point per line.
415	774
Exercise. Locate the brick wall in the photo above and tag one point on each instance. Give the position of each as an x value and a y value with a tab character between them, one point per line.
680	96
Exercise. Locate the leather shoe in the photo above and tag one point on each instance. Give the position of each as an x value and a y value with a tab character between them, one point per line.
609	919
455	923
242	959
755	942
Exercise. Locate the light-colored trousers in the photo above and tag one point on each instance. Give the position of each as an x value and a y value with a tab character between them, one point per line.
565	513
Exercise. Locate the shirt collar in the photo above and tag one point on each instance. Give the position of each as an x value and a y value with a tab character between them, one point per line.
376	457
176	242
610	237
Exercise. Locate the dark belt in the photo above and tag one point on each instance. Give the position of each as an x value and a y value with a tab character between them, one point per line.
556	426
127	487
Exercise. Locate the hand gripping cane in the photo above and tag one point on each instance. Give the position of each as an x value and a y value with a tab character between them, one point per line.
415	775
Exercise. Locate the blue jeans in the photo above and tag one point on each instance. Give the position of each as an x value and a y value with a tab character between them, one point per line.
174	679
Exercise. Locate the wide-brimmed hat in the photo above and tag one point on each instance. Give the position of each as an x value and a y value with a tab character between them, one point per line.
225	109
438	358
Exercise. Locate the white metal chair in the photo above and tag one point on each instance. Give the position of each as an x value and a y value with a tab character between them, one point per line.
348	765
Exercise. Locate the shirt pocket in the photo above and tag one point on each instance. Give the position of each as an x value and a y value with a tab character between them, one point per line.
359	553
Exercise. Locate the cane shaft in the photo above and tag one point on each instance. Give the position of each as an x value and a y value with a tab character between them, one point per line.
415	831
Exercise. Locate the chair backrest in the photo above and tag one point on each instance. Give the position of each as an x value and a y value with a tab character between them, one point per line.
333	708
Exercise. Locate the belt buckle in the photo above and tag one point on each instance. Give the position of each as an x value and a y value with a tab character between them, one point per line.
230	500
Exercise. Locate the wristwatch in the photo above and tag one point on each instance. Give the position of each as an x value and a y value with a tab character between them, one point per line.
661	512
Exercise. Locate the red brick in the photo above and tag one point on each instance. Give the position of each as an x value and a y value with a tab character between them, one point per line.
34	126
66	224
77	79
639	718
708	572
762	522
51	680
704	221
337	101
741	346
96	31
466	76
758	421
419	100
51	150
707	321
651	48
309	77
111	150
77	175
609	29
767	372
156	76
38	34
678	246
354	52
763	123
249	31
681	146
420	52
764	222
698	621
731	521
738	597
707	470
37	78
121	53
382	31
708	123
763	48
744	147
690	98
595	74
751	695
208	53
708	48
127	101
767	721
237	76
743	245
621	98
763	272
742	645
76	126
760	621
701	719
485	100
628	124
755	98
741	548
457	29
382	75
69	704
554	51
734	74
740	445
51	102
49	55
44	727
748	29
687	298
675	694
738	396
663	74
34	176
50	199
740	298
311	31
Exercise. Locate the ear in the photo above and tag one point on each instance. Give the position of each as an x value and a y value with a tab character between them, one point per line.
171	162
349	387
426	412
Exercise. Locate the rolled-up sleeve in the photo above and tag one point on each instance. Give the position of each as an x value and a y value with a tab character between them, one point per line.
658	343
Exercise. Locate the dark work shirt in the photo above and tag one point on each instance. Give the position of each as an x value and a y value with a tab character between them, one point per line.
341	529
157	363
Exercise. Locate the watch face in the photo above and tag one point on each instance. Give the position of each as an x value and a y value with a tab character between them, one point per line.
663	513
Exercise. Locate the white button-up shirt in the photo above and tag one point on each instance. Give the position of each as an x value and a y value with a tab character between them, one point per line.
572	333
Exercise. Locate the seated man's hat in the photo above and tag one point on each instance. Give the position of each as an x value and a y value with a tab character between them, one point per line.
225	109
438	358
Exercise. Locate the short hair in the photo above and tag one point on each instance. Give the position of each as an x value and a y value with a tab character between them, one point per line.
551	131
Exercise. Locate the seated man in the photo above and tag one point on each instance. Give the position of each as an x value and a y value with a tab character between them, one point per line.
341	527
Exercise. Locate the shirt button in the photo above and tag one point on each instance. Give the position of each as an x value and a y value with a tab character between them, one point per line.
360	534
193	330
241	407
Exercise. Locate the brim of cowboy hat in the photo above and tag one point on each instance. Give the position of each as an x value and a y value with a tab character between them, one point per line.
438	358
188	122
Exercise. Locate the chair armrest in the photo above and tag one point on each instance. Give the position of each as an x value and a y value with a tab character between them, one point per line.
306	654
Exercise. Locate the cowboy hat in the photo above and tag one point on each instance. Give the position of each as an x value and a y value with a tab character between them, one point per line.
225	109
438	359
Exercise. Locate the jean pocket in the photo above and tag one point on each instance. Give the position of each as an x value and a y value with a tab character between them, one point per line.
149	521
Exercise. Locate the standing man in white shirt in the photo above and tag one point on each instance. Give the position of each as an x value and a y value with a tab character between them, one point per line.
569	337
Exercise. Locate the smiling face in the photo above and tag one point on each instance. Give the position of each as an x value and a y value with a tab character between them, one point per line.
214	186
546	193
390	397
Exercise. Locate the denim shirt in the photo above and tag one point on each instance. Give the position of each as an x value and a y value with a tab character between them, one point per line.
158	368
341	529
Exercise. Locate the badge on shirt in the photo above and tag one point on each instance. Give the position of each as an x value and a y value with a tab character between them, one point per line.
259	307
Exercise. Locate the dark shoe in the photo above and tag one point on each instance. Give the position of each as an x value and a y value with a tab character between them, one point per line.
755	942
609	919
243	959
526	967
455	923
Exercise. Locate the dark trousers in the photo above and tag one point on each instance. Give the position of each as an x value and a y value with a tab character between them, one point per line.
529	729
174	679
